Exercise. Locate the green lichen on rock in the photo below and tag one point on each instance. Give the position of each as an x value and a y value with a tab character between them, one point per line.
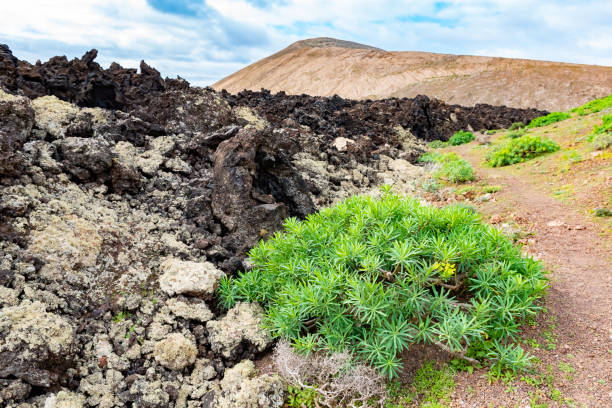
175	352
240	388
243	322
189	278
34	345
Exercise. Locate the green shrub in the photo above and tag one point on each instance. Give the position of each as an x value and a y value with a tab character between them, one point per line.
606	125
594	106
491	189
601	137
461	137
516	125
437	144
520	149
603	212
515	134
373	276
552	117
452	167
602	141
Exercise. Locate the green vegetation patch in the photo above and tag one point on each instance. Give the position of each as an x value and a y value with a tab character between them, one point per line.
437	144
594	106
602	134
606	125
520	149
431	387
516	126
461	137
515	134
373	276
452	167
552	117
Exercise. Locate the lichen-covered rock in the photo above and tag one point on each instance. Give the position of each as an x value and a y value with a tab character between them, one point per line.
246	115
85	158
175	352
341	143
16	120
35	345
241	324
240	388
65	399
190	310
54	115
189	278
177	165
65	243
149	394
13	390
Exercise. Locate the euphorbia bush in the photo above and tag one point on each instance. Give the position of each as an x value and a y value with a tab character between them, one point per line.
520	149
373	276
461	137
549	119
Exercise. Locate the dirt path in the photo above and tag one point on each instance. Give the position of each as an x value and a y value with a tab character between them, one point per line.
574	338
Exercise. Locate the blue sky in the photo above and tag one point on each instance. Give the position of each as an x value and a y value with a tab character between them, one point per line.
205	40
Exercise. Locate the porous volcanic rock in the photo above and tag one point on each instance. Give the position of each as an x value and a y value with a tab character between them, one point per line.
240	329
35	345
189	278
175	352
241	389
17	118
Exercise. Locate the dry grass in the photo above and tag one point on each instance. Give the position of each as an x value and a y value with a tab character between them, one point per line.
337	380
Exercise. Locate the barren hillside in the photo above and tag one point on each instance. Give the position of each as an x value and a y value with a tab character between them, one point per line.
324	66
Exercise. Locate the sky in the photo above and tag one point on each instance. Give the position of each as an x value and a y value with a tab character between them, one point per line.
206	40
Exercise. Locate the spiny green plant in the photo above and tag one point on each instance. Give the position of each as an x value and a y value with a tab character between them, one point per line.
551	118
461	137
520	149
374	276
596	105
452	167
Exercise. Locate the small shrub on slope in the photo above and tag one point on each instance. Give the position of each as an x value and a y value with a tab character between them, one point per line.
515	134
596	105
461	137
602	134
520	149
516	126
553	117
452	167
373	276
437	144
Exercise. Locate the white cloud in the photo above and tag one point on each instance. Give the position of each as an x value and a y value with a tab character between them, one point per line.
228	34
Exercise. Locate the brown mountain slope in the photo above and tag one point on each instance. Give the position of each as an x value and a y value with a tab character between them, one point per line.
324	66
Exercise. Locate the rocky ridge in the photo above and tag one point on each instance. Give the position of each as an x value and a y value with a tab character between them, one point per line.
125	197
